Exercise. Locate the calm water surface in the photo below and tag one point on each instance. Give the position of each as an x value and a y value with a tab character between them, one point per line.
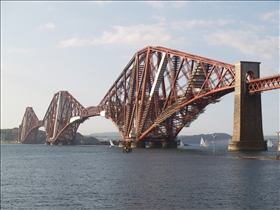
100	177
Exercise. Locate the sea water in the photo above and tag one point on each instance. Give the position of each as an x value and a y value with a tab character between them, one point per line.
103	177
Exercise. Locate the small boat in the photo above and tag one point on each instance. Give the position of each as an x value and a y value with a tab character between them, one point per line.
181	143
269	143
111	143
203	143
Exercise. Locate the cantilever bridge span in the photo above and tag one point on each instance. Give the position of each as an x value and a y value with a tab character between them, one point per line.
158	93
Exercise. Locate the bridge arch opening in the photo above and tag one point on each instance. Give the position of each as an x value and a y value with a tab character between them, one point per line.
249	76
98	125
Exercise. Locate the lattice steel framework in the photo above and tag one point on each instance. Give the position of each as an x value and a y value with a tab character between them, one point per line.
159	92
63	118
162	90
28	129
263	84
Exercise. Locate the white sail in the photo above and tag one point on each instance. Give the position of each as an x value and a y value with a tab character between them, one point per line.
206	143
111	143
269	143
182	143
203	143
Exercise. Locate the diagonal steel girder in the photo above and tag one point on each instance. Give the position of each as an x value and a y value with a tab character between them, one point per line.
263	84
159	92
63	117
162	90
29	126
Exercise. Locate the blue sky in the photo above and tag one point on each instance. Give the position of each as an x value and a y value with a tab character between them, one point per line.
82	47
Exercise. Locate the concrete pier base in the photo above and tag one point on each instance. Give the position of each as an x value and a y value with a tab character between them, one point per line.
138	144
169	144
246	146
155	144
121	144
247	125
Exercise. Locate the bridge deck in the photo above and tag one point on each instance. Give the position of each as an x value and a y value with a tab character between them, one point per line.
265	83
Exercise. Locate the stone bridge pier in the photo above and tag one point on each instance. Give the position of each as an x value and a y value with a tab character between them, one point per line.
247	128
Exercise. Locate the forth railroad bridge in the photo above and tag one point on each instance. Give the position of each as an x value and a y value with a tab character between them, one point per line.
159	92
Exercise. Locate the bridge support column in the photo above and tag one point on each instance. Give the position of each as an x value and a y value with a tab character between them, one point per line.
155	144
169	144
138	144
121	144
247	129
124	143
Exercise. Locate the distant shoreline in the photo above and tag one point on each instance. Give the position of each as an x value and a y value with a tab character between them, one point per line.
99	143
8	142
260	157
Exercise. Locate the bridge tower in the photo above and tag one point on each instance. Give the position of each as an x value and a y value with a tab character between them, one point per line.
247	128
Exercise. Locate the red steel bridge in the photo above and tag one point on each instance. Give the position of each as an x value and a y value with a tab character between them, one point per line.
159	92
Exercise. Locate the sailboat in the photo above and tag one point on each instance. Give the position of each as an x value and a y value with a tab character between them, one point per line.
269	143
181	143
203	143
111	143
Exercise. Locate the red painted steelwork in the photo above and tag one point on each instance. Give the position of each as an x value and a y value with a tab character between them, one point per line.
29	126
63	107
263	84
158	93
162	90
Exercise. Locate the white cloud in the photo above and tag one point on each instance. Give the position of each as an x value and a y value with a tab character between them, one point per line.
162	4
179	4
21	51
247	42
157	4
130	35
99	2
138	35
159	18
74	42
47	26
182	24
271	16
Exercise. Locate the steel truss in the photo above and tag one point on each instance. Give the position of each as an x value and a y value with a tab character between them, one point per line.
57	120
158	93
265	83
28	129
162	90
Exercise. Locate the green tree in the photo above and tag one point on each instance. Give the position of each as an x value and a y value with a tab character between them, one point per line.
7	134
